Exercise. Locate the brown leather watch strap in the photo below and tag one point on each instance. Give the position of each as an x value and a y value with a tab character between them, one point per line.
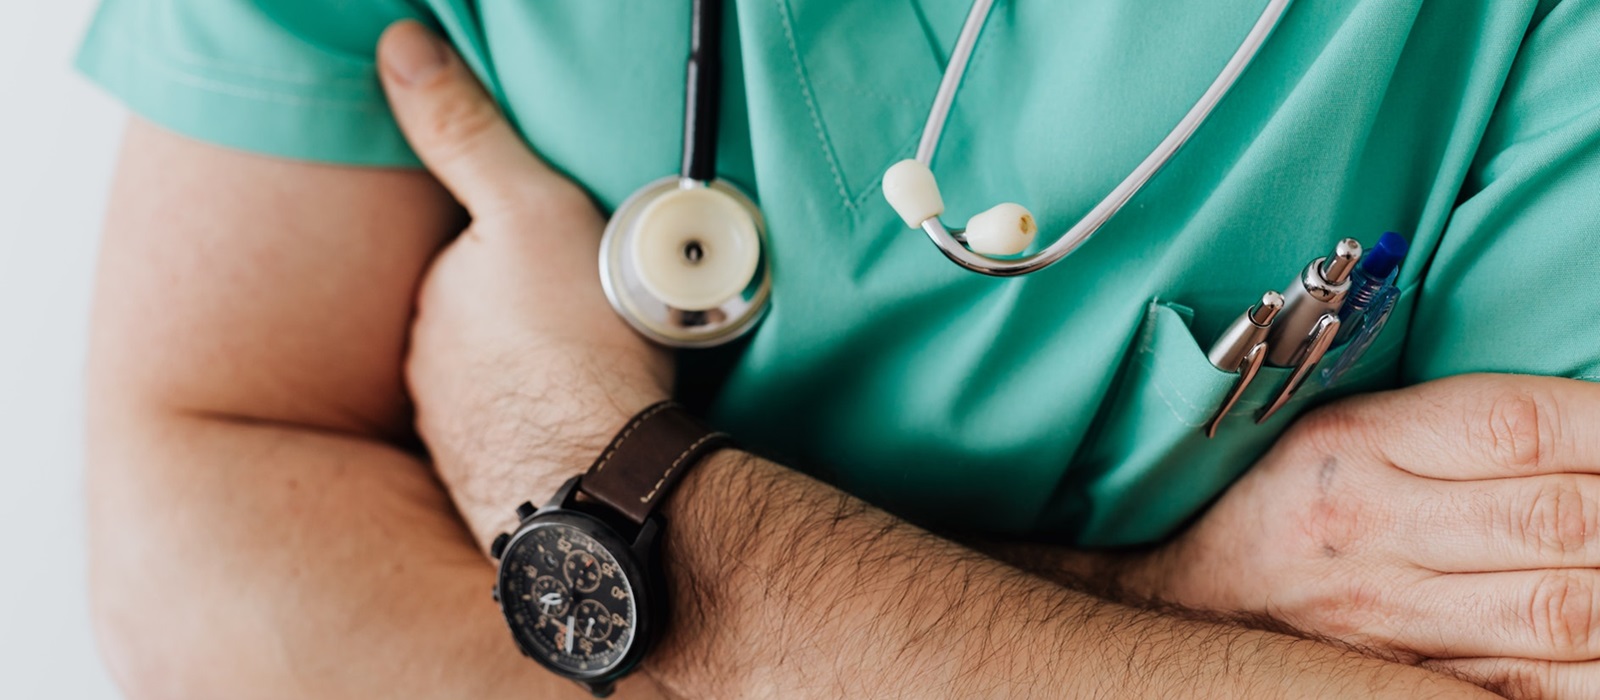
647	458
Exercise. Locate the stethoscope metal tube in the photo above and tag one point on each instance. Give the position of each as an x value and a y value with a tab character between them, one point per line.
955	70
951	241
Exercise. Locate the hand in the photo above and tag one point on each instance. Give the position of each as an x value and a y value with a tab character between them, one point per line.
1455	523
519	367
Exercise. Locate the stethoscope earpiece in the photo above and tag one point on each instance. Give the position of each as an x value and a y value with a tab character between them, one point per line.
913	192
1005	229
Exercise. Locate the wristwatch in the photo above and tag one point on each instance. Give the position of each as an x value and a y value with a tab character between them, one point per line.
581	582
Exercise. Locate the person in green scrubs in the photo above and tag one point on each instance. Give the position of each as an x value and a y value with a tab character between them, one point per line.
1062	407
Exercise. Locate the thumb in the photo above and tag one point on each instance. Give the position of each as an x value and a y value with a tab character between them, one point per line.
454	126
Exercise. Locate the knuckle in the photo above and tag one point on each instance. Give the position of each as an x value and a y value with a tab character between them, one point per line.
1513	430
1561	613
1346	610
1333	526
1557	518
1336	517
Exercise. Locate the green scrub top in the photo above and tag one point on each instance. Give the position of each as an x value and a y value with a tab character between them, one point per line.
1065	405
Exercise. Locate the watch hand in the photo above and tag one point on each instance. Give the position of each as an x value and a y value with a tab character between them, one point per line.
590	629
571	627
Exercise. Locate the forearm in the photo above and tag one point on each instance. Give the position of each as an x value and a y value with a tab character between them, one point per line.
1116	574
240	559
254	532
786	585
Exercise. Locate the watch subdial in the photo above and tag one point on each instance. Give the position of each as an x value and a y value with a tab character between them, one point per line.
583	571
550	596
593	620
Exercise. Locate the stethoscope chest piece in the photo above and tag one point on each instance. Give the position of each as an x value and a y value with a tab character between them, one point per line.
681	261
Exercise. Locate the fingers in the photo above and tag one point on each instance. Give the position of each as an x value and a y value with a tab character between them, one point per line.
1524	679
1538	522
1485	426
1551	615
454	126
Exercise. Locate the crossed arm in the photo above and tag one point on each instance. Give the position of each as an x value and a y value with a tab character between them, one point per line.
263	523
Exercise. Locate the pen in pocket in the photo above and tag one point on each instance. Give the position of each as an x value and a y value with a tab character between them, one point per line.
1310	319
1345	297
1241	349
1370	300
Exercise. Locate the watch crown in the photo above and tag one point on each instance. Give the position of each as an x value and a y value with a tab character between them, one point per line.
495	592
498	546
524	510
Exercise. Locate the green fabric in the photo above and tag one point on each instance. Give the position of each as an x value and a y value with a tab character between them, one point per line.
1063	405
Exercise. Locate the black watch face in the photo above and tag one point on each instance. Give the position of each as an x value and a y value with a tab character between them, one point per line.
568	599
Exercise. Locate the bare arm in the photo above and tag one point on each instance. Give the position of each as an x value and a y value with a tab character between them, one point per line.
784	587
1449	523
257	527
786	584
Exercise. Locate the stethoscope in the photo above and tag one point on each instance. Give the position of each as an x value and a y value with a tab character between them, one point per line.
682	260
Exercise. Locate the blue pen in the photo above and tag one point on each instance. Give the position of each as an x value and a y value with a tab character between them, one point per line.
1370	300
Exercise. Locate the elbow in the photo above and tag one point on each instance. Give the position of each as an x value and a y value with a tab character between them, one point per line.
140	669
148	645
146	654
157	598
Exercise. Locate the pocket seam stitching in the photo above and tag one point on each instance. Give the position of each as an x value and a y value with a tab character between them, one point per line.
784	12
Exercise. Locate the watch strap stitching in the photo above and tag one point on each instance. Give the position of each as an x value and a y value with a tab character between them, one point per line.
647	458
687	452
611	449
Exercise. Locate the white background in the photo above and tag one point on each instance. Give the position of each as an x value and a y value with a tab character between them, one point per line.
58	137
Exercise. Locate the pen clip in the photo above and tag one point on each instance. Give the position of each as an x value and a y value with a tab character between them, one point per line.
1317	343
1248	367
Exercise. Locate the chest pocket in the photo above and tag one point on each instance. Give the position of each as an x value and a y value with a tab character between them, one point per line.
1147	467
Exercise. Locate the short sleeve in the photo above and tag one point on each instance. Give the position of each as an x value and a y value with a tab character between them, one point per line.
289	78
1514	285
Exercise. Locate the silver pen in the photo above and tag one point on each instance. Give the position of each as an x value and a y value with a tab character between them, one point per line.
1241	349
1318	291
1310	319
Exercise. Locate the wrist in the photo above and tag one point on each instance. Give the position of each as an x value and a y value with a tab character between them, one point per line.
520	444
1111	575
716	521
581	579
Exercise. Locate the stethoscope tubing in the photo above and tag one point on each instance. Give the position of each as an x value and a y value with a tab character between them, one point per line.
1113	202
656	301
703	93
